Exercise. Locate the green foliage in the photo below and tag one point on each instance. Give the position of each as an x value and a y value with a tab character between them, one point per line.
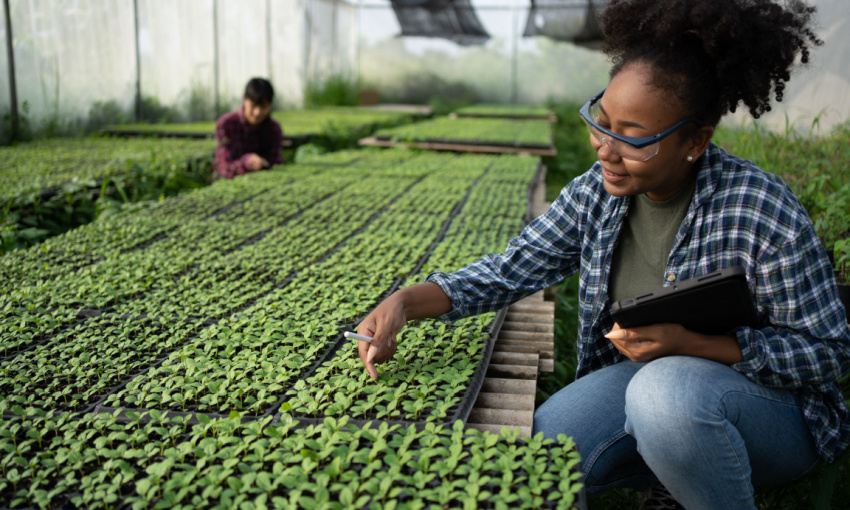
334	90
220	304
815	167
533	133
199	103
151	110
155	460
330	128
103	113
52	186
503	110
575	154
841	254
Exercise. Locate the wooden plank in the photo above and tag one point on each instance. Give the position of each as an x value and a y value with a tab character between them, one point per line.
507	417
505	401
528	327
529	336
512	386
457	147
541	308
543	351
535	298
512	371
521	317
499	347
546	365
514	358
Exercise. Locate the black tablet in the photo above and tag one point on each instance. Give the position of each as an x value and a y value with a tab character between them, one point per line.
712	304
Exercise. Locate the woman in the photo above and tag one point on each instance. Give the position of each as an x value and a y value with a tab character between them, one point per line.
709	417
248	139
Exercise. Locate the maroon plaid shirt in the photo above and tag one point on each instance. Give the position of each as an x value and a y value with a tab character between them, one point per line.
236	139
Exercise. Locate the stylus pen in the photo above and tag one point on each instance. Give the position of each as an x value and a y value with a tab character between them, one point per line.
349	334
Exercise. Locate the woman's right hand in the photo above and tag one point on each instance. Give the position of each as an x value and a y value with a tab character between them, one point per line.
383	325
420	301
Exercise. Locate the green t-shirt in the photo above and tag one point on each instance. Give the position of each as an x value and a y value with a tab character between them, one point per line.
645	243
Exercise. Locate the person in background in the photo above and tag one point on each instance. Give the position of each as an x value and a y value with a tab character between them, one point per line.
698	420
248	139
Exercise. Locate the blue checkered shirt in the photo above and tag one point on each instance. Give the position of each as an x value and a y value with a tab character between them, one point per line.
739	215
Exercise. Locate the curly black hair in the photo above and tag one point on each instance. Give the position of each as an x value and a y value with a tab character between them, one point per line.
712	54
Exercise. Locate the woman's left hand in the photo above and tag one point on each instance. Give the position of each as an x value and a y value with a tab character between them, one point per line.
647	343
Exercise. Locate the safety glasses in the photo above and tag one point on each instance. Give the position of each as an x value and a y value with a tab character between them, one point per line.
641	148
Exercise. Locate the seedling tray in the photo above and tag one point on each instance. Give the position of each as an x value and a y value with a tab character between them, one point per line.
459	411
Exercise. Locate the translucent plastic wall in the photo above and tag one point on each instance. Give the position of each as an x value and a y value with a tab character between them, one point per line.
177	54
78	58
71	54
311	41
512	68
507	68
190	59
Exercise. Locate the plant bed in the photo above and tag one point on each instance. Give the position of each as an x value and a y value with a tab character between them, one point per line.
52	186
80	366
506	111
158	460
233	366
481	135
267	312
462	146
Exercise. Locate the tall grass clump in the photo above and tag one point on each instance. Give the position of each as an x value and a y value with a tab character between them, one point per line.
816	167
334	90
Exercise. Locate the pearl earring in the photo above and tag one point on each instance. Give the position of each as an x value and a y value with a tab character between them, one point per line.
690	158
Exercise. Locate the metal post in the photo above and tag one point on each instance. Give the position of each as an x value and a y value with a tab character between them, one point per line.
334	22
10	52
138	63
514	55
269	38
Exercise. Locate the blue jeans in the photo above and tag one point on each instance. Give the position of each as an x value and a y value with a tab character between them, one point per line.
704	430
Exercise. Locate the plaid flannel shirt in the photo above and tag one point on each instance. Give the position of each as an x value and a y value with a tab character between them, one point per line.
739	215
236	139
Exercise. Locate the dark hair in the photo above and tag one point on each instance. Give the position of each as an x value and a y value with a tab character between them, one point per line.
260	91
711	54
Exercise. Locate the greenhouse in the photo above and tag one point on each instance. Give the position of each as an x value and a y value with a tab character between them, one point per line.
332	254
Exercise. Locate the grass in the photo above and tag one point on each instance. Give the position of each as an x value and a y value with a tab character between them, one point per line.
817	168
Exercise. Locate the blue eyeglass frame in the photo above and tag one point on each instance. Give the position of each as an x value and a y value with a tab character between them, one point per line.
636	142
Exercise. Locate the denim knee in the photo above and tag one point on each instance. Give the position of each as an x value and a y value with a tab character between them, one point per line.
661	412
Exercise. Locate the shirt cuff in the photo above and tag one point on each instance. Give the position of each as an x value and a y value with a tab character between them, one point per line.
444	281
751	350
